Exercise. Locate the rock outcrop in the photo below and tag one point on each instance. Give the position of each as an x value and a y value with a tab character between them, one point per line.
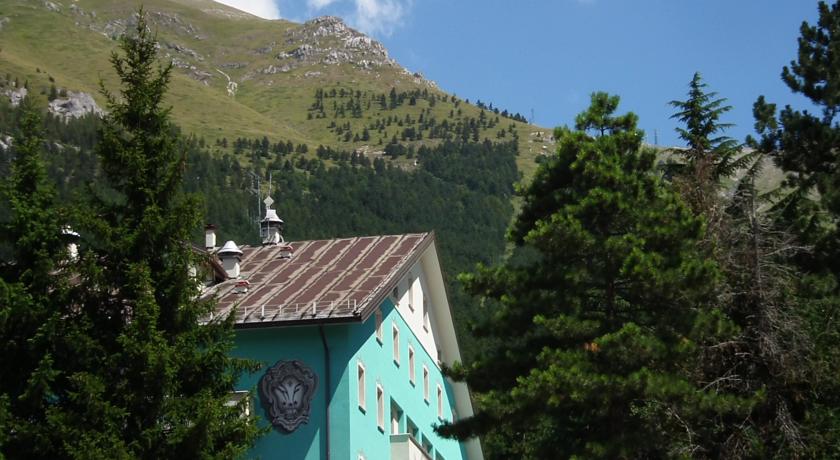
75	105
15	95
327	40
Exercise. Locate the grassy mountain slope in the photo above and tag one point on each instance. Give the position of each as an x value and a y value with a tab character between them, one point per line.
277	65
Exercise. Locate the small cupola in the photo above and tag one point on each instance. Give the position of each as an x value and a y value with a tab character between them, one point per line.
271	227
230	255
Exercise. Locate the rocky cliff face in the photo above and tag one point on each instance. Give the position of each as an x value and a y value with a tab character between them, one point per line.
327	40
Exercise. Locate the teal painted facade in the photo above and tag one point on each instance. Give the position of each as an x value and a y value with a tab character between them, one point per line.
354	432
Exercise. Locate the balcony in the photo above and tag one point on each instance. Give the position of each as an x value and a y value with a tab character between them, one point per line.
405	447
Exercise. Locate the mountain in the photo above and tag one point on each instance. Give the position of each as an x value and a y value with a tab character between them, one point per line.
240	76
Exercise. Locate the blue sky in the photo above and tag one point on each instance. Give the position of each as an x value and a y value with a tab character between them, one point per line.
549	55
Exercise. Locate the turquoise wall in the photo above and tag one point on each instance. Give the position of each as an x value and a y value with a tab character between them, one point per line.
352	431
269	346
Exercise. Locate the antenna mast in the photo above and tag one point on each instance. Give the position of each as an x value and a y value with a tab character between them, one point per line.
255	190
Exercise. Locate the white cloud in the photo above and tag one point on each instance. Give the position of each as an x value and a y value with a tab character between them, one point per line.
380	16
267	9
319	4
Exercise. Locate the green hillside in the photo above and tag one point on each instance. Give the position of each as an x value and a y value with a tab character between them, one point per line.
278	67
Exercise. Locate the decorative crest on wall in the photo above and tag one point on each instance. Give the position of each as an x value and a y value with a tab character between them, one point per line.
286	392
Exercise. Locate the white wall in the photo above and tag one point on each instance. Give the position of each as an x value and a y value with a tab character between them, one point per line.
414	297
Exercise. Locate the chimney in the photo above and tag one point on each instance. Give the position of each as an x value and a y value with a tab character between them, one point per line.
230	255
72	239
210	237
272	228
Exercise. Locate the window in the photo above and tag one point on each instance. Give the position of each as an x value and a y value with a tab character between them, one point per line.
425	314
411	295
239	398
411	364
380	407
425	383
411	428
396	334
361	385
440	402
396	416
427	446
379	325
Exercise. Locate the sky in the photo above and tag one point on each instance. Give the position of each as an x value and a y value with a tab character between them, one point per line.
545	57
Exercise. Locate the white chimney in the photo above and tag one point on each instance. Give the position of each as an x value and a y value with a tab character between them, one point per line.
230	255
210	237
72	239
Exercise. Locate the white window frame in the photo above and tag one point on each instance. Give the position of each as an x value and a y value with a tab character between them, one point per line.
395	335
440	401
395	418
425	383
360	382
411	294
426	321
235	397
411	366
378	316
380	407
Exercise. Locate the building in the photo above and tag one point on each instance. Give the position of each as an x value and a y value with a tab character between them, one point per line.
352	333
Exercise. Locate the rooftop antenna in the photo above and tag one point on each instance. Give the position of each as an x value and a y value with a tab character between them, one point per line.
255	190
270	180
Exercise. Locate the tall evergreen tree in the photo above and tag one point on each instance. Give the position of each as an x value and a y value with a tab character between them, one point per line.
31	288
709	155
163	375
760	360
589	339
135	374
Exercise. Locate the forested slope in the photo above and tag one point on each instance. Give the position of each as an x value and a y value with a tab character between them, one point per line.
460	190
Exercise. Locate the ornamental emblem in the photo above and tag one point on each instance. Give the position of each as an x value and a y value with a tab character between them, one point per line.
286	392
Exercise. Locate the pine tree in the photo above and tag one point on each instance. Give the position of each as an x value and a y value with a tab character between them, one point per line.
589	328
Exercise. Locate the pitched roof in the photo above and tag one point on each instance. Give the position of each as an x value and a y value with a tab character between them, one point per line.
336	280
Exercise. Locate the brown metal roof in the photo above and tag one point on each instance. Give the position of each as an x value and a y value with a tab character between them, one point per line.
335	280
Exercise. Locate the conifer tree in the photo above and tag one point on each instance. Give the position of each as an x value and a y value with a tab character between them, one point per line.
31	289
587	349
136	374
761	359
709	155
170	375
